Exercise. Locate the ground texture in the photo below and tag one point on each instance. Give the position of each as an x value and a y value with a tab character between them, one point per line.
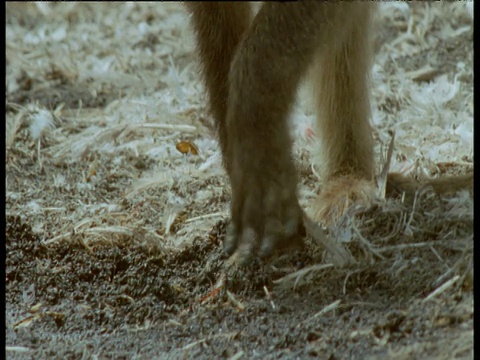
117	203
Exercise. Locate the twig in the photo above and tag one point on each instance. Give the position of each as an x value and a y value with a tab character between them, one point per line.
326	309
227	335
367	243
298	275
382	178
201	217
269	297
340	256
442	288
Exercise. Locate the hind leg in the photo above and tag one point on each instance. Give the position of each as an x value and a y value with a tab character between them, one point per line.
343	113
219	28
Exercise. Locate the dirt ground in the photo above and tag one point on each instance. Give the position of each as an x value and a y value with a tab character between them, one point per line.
117	204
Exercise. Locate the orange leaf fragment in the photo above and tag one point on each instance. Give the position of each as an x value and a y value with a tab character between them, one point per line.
186	147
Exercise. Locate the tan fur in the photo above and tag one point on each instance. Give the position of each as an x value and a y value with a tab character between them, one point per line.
397	184
342	93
